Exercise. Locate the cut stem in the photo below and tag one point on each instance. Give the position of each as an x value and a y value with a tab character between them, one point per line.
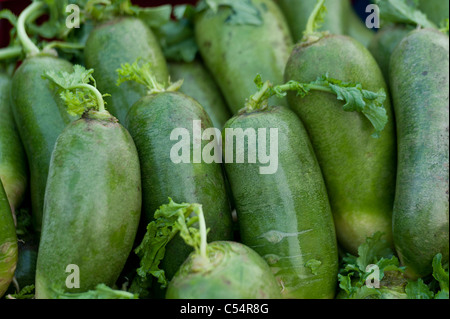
28	46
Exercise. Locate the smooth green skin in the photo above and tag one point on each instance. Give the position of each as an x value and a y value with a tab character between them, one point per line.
297	13
40	116
8	243
436	10
419	85
119	41
237	272
236	54
92	206
359	170
13	162
355	26
286	216
384	43
150	122
200	85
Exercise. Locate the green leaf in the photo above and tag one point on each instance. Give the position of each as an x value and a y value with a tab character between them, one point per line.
354	272
77	89
26	292
370	104
374	249
101	291
400	11
243	12
418	290
441	276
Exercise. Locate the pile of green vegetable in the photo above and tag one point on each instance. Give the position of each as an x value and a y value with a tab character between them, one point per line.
93	206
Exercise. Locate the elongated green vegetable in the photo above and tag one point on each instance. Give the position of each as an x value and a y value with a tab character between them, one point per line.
292	227
419	83
39	115
200	85
93	195
359	170
13	162
151	122
122	40
8	243
240	40
297	14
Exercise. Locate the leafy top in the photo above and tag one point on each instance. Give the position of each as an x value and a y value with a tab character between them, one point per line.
142	74
78	90
170	219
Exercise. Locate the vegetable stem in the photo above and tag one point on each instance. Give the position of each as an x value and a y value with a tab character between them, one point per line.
28	46
203	232
63	45
10	52
258	100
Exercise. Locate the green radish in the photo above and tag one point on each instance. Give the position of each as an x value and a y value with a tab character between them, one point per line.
8	243
151	122
200	85
122	40
93	195
359	168
384	43
419	83
13	163
238	41
39	115
285	216
215	270
297	14
436	10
